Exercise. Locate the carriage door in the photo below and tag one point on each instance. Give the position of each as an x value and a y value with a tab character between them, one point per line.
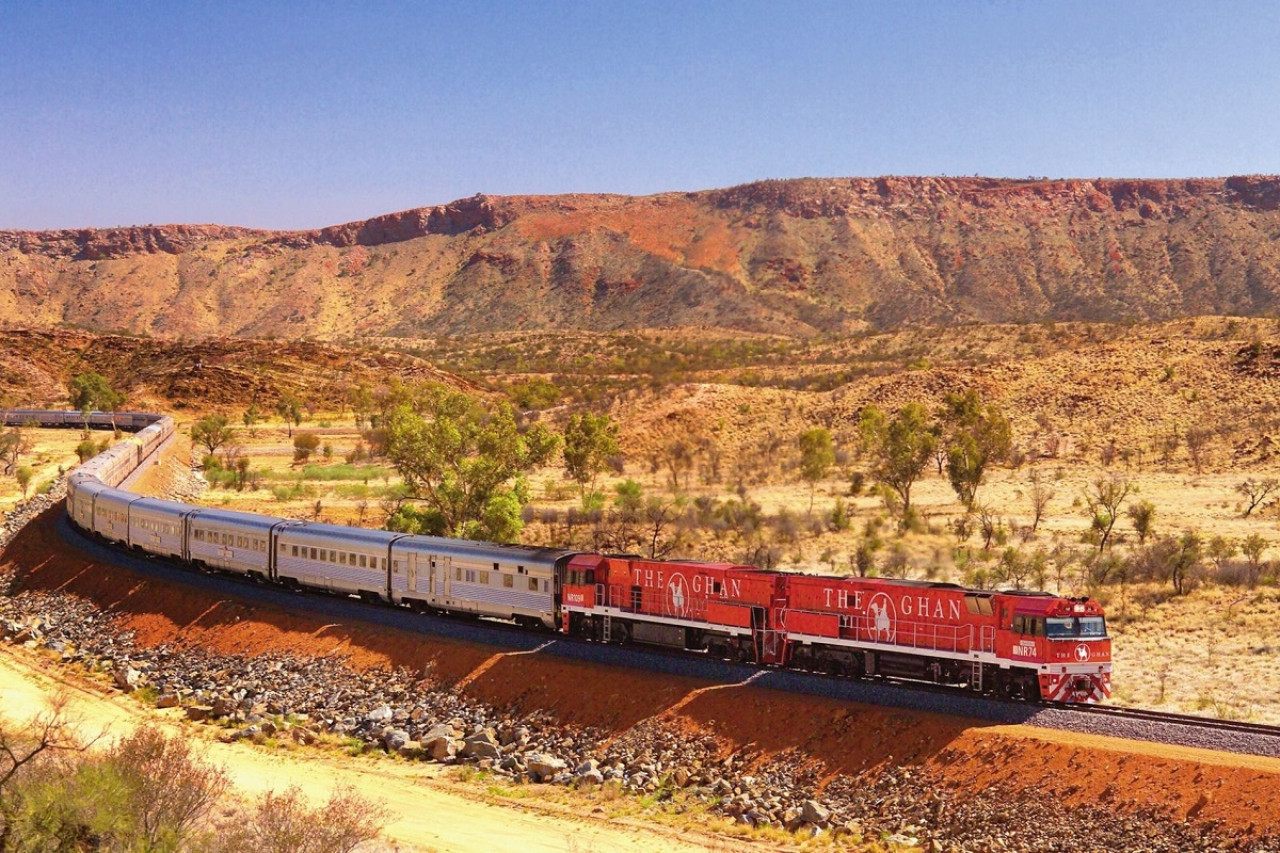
413	571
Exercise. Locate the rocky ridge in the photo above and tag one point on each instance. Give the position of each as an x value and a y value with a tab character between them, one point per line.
804	257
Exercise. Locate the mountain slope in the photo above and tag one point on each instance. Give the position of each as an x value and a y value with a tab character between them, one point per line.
797	257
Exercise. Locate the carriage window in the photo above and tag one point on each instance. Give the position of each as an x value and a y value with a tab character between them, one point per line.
484	578
533	584
520	570
364	562
471	576
457	574
495	567
295	550
508	581
313	553
384	563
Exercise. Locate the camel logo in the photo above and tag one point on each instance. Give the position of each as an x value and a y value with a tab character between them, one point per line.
1082	653
883	616
678	596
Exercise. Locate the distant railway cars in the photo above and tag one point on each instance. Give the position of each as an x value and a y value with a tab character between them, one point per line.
1015	644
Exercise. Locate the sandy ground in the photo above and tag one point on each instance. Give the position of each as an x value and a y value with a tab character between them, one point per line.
428	811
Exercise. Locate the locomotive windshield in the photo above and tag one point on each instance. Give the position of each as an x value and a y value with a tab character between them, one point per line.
1071	627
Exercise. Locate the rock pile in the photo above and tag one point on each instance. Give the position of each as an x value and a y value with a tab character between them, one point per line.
26	511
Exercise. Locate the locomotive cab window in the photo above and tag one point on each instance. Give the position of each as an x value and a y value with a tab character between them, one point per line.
1070	627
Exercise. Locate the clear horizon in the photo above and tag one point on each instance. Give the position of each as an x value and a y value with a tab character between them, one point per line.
292	117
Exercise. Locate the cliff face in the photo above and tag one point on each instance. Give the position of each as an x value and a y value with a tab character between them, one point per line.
799	257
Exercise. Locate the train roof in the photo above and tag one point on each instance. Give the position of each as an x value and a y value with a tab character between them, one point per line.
231	516
338	533
162	505
470	547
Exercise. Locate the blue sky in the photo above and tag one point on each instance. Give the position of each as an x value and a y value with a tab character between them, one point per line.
299	115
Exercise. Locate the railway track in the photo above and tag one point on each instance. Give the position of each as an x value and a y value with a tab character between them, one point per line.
1168	718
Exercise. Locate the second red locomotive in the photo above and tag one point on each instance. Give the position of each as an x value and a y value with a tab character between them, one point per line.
1020	645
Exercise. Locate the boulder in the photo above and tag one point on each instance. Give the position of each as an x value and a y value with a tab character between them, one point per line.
481	745
393	739
381	714
411	749
440	748
128	678
544	766
816	813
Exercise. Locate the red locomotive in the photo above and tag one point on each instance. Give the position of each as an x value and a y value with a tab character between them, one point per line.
1020	645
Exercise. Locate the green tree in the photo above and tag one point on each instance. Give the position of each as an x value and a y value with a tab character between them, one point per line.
289	408
212	432
1184	560
252	416
14	442
628	498
817	455
23	475
86	449
90	392
589	441
1143	516
1253	548
900	448
464	462
1104	497
978	436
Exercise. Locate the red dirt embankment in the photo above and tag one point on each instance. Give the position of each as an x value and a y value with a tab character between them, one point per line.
1241	794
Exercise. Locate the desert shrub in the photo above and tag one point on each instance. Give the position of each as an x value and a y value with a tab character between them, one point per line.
304	444
284	823
1232	573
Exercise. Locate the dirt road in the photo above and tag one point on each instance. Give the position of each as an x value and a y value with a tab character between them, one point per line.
429	812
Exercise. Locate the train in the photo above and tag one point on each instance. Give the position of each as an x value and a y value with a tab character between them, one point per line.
1015	644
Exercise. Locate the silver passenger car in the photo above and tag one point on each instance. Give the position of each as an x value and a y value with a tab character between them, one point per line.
82	489
159	527
503	581
111	514
352	560
232	541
